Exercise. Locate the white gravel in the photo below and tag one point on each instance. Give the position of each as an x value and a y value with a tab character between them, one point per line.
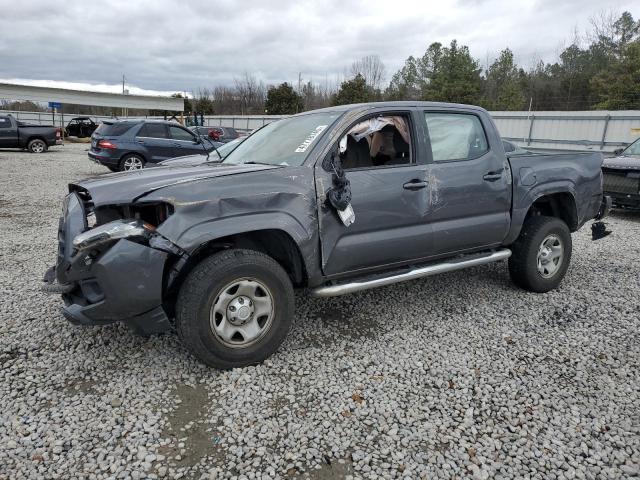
461	375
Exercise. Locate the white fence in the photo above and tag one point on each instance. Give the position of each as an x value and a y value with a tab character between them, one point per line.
575	131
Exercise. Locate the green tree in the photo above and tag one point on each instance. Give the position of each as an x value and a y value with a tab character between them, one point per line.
353	91
447	74
405	83
283	100
503	86
455	76
617	88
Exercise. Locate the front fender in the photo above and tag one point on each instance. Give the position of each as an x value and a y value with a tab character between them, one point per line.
211	229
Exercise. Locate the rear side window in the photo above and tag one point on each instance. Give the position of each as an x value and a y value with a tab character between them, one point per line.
5	122
113	129
178	133
153	130
455	136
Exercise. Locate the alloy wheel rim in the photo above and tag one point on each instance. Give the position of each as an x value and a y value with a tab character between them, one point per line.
242	313
132	163
38	147
550	256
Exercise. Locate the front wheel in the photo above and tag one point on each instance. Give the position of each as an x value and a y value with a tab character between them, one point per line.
235	308
541	254
37	146
131	162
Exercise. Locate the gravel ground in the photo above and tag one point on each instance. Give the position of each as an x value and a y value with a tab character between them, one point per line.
460	375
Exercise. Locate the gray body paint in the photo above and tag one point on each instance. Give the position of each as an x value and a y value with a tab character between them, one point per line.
457	212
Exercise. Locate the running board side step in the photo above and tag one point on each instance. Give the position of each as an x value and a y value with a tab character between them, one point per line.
450	265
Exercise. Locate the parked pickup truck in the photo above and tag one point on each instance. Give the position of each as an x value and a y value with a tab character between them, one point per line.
333	201
622	176
35	138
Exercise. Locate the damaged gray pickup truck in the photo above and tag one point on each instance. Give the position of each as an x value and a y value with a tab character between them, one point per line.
333	201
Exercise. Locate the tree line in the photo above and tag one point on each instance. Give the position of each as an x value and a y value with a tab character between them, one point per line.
598	70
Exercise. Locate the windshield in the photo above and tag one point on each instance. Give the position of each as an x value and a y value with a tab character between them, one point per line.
229	147
633	149
285	142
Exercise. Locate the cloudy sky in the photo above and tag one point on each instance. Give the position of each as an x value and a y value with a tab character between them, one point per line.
166	45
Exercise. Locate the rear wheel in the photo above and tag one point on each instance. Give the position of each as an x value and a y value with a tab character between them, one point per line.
541	255
235	308
37	146
131	162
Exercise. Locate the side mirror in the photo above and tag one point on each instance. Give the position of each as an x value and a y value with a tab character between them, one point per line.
618	151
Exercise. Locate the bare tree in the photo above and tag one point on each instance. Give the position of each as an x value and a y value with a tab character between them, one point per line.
251	94
372	69
602	25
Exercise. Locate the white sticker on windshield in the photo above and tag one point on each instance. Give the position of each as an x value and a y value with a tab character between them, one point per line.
310	138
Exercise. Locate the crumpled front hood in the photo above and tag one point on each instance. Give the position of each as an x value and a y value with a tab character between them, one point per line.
188	161
125	187
622	163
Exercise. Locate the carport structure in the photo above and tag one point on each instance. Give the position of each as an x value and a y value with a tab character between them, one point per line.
9	91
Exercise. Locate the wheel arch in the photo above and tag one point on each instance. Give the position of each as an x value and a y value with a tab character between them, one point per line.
276	243
560	205
36	137
558	202
137	154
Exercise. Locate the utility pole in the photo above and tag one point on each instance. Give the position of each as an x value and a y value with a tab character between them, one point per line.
124	110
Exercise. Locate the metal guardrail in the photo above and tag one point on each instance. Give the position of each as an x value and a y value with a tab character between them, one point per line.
570	131
573	131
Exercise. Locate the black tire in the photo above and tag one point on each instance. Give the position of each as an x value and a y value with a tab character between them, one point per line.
130	158
37	145
205	285
523	263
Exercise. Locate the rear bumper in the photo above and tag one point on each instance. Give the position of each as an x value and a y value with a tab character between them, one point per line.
605	207
103	158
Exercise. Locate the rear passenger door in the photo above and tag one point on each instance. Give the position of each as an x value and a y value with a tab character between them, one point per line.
155	141
184	142
8	133
470	179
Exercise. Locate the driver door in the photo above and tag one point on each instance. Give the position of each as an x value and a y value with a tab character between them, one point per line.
390	202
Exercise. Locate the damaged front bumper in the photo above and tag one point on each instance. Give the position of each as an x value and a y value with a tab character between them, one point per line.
121	282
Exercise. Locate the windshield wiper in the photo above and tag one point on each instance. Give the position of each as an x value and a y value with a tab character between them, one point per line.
257	163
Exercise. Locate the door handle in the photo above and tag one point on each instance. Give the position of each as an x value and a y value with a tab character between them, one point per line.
492	176
177	145
140	142
414	185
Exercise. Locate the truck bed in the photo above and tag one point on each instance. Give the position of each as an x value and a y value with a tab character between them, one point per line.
535	175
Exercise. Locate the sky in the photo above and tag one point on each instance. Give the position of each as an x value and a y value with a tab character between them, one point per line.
164	46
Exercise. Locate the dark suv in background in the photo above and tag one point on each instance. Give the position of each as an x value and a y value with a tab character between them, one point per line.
131	144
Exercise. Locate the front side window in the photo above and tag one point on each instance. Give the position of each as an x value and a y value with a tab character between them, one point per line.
153	130
178	133
5	122
286	142
633	149
381	141
455	136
